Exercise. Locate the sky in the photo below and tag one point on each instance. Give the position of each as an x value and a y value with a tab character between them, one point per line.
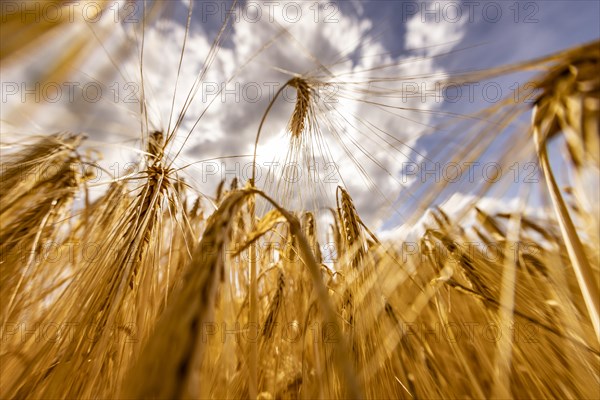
394	44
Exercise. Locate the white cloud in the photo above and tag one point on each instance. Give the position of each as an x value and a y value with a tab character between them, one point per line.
344	46
427	33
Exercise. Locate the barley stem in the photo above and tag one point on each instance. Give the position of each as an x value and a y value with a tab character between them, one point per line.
583	271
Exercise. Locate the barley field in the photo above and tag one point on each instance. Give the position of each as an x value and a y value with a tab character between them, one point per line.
170	229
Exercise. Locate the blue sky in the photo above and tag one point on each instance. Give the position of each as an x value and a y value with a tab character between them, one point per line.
420	40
